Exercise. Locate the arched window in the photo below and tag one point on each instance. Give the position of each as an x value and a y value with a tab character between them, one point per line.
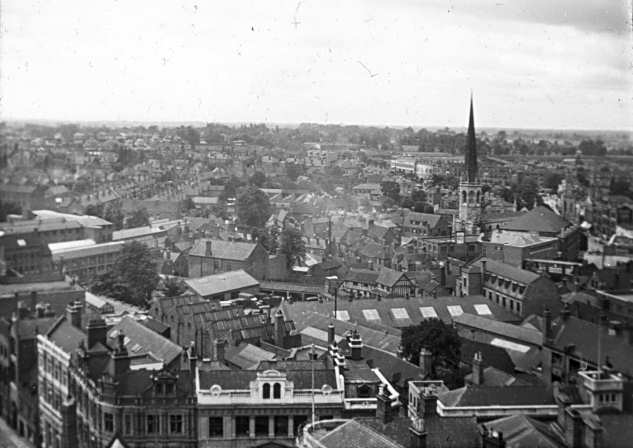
464	196
471	197
266	390
277	390
477	197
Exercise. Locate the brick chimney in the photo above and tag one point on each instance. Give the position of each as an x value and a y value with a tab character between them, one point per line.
331	340
73	314
97	332
356	346
492	439
426	361
384	412
120	360
478	369
279	329
548	333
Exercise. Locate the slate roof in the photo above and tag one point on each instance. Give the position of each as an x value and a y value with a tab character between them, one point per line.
353	434
247	356
517	332
492	356
507	271
301	375
223	282
65	335
521	431
226	250
540	219
472	395
87	251
583	336
361	275
148	341
618	430
389	277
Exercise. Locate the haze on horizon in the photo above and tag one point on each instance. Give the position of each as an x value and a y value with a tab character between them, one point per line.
531	63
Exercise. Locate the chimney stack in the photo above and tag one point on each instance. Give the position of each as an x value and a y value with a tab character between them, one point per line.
478	369
279	329
384	412
331	339
120	360
73	314
493	439
426	361
547	326
219	350
97	332
356	346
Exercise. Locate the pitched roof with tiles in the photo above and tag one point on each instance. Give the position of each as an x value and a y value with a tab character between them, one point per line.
389	277
516	332
507	271
361	275
226	250
65	335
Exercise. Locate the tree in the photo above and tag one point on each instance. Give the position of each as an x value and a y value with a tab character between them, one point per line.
391	190
258	179
133	277
292	246
552	180
527	192
418	195
293	171
112	212
139	218
9	208
253	208
441	340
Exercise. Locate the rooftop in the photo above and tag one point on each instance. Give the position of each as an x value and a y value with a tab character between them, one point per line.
215	284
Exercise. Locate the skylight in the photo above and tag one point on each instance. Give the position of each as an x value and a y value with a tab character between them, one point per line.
21	243
399	313
342	315
428	312
371	314
482	309
455	310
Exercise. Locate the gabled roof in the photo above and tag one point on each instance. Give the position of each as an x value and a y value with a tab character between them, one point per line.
389	277
522	431
226	250
540	219
65	335
361	276
506	271
141	340
221	283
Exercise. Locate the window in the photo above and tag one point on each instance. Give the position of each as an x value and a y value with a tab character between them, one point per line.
342	315
242	426
127	424
261	425
266	391
108	422
482	309
399	313
153	425
281	426
455	310
216	427
175	424
428	312
277	390
371	314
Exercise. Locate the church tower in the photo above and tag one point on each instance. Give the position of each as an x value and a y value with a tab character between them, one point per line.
470	194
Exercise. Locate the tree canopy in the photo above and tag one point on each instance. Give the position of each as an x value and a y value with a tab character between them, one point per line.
441	340
133	277
139	218
292	246
253	208
8	208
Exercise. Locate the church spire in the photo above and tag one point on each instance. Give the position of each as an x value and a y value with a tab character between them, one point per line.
471	147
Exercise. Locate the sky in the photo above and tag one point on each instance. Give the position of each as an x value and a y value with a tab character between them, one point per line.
564	64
